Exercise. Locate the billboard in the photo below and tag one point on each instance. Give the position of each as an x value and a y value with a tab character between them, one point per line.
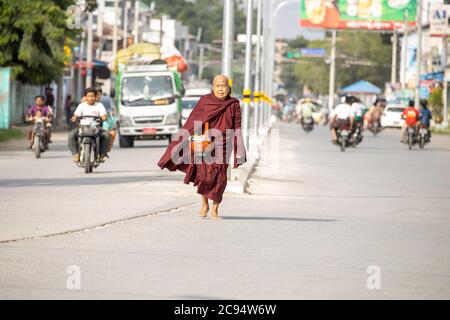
357	14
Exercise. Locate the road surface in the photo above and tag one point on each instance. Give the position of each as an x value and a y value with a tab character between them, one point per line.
370	223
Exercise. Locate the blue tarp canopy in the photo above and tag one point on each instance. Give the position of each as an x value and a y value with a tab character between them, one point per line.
438	76
361	87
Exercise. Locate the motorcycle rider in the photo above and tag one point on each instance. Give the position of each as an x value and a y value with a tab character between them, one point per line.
288	108
358	109
39	108
374	113
425	117
304	109
411	116
89	108
107	102
342	115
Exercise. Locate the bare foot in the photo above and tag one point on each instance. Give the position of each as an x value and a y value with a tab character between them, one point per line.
204	211
215	215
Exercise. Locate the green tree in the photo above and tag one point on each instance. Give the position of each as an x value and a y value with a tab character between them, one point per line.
360	55
207	14
32	35
356	48
436	102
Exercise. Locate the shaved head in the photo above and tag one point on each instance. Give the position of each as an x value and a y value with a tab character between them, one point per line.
221	87
220	77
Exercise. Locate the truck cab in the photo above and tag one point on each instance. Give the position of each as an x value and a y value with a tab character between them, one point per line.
149	103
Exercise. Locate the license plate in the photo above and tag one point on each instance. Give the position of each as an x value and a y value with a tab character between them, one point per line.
149	130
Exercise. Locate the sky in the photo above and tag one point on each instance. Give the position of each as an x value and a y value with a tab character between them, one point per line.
287	26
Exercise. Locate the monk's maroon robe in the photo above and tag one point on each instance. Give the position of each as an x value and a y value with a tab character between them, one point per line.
210	179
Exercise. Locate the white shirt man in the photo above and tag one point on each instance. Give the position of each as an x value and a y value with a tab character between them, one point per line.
341	115
343	111
95	110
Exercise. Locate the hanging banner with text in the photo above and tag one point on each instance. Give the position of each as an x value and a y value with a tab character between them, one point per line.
357	14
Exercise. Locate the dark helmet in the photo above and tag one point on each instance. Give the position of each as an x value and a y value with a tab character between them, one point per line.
424	103
411	103
349	99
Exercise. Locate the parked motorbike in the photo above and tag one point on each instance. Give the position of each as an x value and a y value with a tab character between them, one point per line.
307	124
89	143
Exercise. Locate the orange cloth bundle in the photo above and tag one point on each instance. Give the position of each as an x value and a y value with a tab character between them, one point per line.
198	143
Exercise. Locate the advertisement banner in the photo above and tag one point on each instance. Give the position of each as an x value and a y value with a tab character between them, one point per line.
4	97
439	24
357	14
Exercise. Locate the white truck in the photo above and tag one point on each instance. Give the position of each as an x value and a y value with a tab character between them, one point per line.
149	103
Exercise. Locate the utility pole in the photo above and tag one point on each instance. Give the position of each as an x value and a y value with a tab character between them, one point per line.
267	48
444	67
332	71
405	50
394	57
419	52
248	72
136	21
201	60
80	68
125	25
100	11
227	46
116	18
161	30
89	64
228	37
256	94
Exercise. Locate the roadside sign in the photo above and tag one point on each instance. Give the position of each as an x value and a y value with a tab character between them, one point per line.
313	52
439	15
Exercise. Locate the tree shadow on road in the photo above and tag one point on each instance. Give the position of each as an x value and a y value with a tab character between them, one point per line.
252	218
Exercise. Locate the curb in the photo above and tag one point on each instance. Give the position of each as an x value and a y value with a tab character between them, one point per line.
240	176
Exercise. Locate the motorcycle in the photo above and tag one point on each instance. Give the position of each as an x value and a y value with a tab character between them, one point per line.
38	145
307	124
357	136
343	137
89	143
375	128
423	136
411	136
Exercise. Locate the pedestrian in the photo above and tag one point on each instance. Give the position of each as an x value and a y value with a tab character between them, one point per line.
219	114
68	107
49	98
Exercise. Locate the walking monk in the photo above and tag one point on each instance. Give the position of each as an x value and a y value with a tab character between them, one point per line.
219	115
